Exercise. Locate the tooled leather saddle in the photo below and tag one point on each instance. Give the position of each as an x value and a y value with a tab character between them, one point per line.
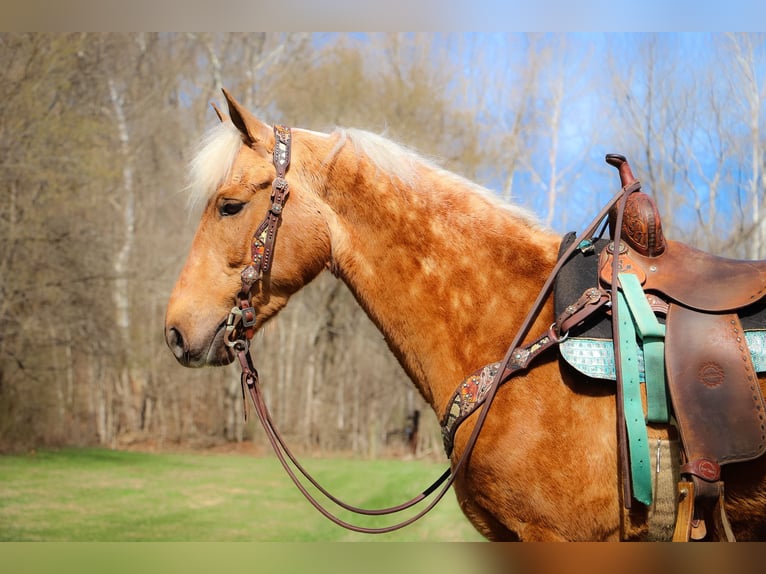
709	314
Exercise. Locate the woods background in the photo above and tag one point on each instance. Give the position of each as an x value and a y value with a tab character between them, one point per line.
96	129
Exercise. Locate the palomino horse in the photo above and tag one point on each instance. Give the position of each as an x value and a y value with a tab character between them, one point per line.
447	273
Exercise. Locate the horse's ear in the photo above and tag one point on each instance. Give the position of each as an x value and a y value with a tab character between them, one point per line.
221	116
253	130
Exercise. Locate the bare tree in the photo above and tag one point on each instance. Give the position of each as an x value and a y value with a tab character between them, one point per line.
746	50
95	130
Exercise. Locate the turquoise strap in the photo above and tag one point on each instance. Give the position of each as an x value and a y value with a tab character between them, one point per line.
652	333
638	442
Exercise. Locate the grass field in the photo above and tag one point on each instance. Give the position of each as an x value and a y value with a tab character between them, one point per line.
100	495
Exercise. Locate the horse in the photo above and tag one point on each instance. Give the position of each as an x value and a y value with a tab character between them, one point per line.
447	272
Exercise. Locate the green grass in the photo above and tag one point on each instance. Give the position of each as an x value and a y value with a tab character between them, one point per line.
77	495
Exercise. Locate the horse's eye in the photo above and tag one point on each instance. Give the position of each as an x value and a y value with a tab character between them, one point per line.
230	208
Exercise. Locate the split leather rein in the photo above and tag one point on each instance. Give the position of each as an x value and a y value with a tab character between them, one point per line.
241	325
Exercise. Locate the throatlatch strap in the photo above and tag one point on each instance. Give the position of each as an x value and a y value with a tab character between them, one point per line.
652	333
638	441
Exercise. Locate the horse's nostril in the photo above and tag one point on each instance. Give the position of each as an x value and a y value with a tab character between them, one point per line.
175	341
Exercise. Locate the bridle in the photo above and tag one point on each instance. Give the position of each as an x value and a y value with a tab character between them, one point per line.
240	328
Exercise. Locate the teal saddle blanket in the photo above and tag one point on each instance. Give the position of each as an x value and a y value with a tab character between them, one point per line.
589	348
595	357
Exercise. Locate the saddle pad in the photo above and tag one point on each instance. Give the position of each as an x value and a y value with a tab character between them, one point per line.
577	275
595	357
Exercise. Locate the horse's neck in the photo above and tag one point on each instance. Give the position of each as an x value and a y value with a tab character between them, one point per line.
446	274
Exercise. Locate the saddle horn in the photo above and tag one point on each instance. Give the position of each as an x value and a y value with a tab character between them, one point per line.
621	163
641	225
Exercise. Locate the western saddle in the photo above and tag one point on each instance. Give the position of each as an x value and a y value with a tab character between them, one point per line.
685	319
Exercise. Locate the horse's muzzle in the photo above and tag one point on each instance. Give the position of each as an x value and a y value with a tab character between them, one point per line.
211	352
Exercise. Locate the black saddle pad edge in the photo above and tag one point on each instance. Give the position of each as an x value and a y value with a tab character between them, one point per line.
575	277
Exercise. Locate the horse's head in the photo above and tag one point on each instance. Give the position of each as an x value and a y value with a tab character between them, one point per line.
232	176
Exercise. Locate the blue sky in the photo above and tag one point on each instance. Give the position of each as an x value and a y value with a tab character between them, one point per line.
689	71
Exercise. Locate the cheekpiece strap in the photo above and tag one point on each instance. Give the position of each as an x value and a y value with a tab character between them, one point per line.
262	243
262	247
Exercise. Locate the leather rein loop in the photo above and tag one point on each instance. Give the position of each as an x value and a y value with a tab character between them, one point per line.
240	329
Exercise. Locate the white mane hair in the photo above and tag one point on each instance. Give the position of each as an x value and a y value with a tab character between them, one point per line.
400	162
212	162
218	149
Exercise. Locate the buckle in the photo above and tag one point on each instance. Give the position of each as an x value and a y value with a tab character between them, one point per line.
245	317
248	316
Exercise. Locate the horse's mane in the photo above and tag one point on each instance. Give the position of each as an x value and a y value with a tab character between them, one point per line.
400	162
219	146
212	162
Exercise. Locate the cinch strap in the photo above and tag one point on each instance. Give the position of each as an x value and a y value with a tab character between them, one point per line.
652	333
638	440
